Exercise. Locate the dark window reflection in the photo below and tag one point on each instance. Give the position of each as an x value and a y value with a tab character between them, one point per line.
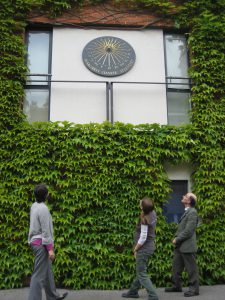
174	209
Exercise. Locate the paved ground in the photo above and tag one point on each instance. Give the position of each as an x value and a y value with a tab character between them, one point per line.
216	292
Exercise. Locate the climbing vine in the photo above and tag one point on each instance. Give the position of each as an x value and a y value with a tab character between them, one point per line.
97	172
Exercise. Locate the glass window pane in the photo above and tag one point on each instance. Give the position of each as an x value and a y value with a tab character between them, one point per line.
36	105
174	209
178	108
38	55
176	59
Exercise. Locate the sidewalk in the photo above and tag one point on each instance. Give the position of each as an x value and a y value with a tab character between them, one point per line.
216	292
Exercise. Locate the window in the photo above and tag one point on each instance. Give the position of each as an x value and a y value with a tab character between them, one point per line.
36	102
174	209
178	87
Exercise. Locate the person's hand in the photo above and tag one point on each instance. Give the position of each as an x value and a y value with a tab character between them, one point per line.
174	241
51	255
135	254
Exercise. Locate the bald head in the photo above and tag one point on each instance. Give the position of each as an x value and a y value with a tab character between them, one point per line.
189	199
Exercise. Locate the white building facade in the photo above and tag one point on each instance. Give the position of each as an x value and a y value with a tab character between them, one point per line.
60	87
72	92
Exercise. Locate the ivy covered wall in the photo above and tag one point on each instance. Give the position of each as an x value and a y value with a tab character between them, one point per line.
96	173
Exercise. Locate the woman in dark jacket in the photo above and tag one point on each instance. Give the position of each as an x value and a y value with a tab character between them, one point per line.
144	247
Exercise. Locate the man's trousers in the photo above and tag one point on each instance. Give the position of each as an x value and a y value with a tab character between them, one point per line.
42	276
186	261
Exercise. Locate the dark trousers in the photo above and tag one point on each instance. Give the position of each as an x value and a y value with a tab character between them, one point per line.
42	276
142	278
185	261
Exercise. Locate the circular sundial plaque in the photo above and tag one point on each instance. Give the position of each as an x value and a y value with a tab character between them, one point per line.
108	56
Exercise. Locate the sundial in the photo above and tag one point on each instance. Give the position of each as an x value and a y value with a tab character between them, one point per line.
108	56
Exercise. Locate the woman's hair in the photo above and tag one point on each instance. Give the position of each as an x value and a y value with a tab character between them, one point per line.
147	206
40	192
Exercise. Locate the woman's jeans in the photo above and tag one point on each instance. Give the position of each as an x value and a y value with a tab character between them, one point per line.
142	278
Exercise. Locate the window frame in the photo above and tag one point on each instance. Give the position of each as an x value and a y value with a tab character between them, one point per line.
41	86
175	90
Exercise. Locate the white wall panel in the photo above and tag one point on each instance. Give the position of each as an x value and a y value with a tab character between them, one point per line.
78	102
84	103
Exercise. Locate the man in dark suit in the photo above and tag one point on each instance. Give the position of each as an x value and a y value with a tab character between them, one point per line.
185	249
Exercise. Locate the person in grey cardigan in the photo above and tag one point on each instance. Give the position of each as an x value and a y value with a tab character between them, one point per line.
185	249
40	238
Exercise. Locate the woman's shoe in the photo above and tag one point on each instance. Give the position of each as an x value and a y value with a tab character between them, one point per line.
130	295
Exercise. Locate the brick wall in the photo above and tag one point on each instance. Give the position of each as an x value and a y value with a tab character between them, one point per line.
104	14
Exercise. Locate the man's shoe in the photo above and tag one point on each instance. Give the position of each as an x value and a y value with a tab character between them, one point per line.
63	296
173	289
191	294
130	295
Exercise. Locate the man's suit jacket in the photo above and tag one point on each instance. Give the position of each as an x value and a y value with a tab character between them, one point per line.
185	235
